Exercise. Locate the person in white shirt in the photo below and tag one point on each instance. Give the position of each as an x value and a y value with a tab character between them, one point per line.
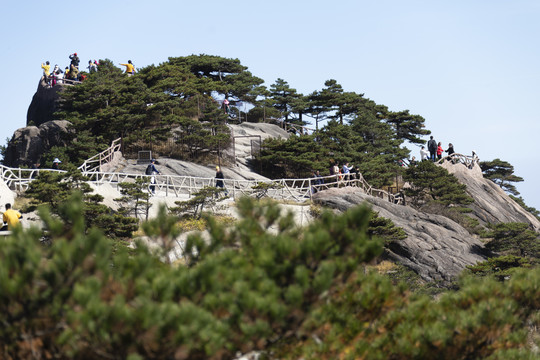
346	170
424	154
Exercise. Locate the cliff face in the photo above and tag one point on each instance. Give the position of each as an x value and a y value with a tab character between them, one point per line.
41	133
438	248
43	104
491	203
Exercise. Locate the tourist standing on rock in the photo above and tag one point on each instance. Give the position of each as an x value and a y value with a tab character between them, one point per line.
151	170
130	68
423	153
219	180
74	60
92	67
226	107
59	76
450	150
73	72
331	168
46	71
55	75
317	182
432	147
346	169
336	172
439	151
56	164
11	218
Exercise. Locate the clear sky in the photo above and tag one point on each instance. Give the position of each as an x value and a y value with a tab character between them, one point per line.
469	67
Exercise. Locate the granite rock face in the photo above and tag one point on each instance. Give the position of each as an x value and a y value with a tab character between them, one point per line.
239	156
43	105
436	247
28	144
491	203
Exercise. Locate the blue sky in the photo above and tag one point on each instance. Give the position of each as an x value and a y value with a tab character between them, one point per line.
470	68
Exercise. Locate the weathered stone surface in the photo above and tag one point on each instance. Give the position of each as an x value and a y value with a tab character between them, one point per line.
246	136
491	203
241	170
28	144
43	104
437	248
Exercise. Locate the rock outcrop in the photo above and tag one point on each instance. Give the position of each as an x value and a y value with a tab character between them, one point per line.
43	104
239	168
28	144
491	203
247	138
436	247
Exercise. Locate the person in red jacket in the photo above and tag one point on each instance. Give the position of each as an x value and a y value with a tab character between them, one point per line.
439	151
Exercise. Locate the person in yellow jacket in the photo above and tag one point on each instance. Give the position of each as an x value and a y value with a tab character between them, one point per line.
130	68
46	70
11	217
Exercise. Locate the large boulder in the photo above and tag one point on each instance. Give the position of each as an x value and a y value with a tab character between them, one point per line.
43	105
28	144
247	139
491	203
436	247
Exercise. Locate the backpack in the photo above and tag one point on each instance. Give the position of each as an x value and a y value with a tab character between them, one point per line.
149	170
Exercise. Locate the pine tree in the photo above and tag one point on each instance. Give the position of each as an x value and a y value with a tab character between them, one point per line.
54	189
283	97
406	126
430	182
501	173
207	196
135	200
295	292
514	239
296	157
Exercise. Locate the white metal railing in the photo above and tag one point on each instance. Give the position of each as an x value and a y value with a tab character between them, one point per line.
467	160
94	163
18	179
297	190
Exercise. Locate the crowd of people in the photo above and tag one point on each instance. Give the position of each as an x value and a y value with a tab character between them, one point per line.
344	174
433	152
72	73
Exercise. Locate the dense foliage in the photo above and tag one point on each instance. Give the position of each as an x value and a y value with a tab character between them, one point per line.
53	189
78	298
262	283
514	239
297	292
179	102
